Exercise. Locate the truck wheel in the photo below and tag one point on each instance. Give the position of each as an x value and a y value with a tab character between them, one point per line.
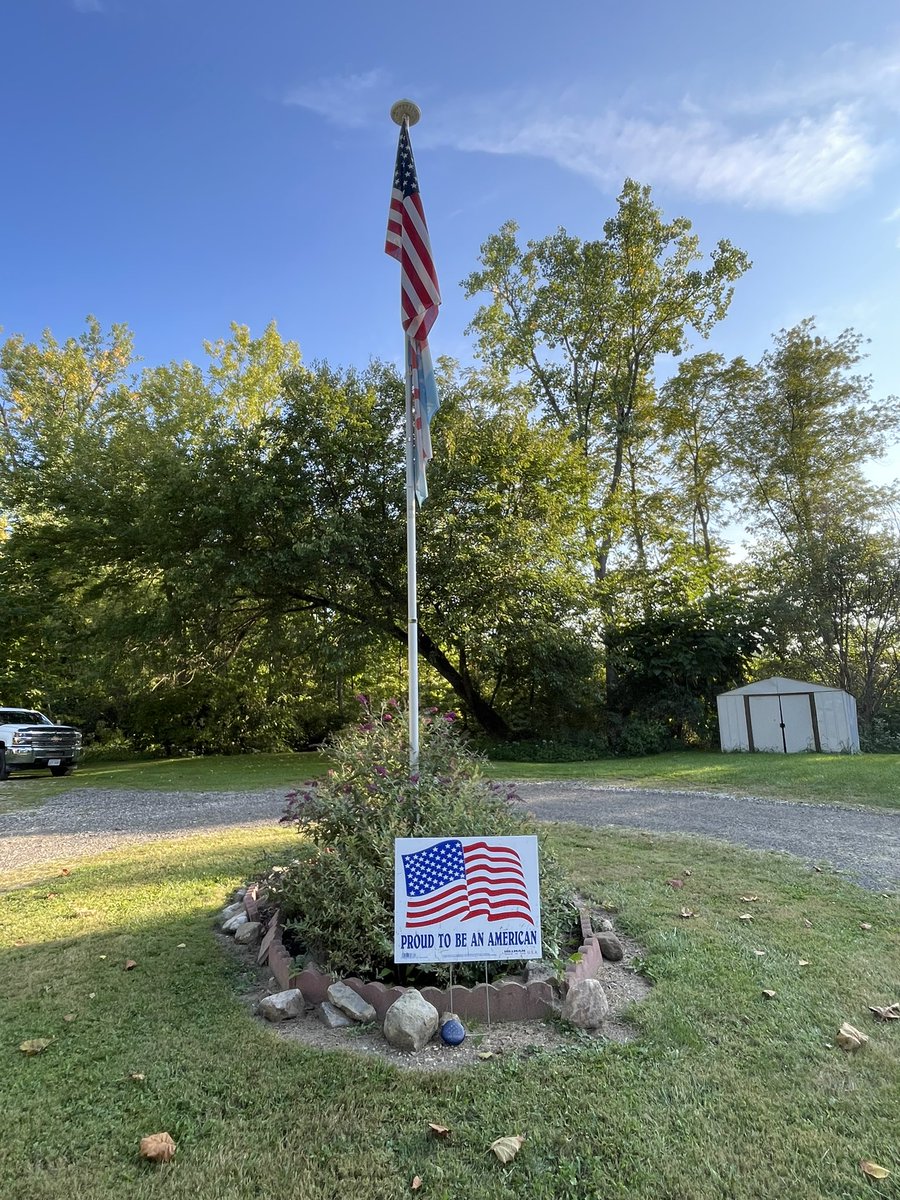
60	770
4	768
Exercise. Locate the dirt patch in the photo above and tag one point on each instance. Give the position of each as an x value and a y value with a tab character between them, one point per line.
483	1044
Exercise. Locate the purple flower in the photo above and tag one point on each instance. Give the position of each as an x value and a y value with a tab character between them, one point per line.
392	703
368	727
386	717
362	699
414	779
382	771
450	716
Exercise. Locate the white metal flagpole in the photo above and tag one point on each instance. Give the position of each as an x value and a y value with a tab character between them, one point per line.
405	112
412	616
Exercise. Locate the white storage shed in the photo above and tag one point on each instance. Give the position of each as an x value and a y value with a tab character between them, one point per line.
785	716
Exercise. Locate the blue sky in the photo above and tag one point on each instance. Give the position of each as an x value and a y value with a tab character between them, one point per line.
180	164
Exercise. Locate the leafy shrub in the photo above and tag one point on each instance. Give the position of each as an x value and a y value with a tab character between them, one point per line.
337	896
643	735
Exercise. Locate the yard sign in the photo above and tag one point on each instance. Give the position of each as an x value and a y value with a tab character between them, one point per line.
465	899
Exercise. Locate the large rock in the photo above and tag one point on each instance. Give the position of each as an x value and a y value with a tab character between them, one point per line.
539	971
333	1017
233	924
586	1004
349	1002
248	933
230	910
610	946
282	1006
411	1022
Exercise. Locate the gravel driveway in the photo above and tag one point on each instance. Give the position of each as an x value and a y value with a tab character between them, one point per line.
864	842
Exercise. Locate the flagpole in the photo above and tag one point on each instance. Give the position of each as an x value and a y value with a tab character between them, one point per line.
412	615
404	112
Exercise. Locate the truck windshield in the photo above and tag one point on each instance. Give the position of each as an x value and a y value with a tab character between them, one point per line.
21	716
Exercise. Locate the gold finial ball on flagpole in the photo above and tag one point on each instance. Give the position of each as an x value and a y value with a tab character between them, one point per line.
405	110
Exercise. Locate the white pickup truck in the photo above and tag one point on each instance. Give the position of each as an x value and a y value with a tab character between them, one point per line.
30	740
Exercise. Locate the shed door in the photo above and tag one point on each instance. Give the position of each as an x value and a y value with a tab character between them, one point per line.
798	726
765	717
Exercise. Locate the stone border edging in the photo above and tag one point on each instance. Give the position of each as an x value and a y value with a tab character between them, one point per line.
509	1001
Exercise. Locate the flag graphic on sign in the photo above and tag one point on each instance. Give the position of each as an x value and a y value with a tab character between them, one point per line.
455	879
420	296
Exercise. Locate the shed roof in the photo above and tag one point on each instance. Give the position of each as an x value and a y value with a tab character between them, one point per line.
778	685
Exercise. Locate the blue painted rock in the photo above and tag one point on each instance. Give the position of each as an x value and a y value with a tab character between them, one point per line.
452	1032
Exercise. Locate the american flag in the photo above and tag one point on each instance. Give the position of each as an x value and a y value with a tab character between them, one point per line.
454	879
408	241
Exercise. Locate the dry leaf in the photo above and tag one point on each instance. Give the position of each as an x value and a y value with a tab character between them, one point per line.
803	962
687	912
65	871
91	995
890	1013
873	1170
819	869
865	925
850	1038
137	1076
746	917
807	924
35	1045
485	1054
69	1017
130	964
506	1148
439	1131
102	956
181	946
675	883
416	1183
158	1147
688	872
749	899
769	993
759	953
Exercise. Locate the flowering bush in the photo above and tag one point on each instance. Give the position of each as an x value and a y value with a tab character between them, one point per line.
337	896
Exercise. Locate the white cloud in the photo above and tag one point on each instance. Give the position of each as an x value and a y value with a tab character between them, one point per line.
350	100
797	164
844	73
894	216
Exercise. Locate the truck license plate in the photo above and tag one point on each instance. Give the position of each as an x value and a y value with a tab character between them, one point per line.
54	762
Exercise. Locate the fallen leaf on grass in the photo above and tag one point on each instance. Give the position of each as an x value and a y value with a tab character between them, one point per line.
803	962
675	883
850	1038
819	869
889	1013
181	946
65	871
485	1054
749	899
865	925
91	995
687	912
759	953
137	1076
416	1183
807	924
69	1017
101	956
769	993
439	1131
746	917
873	1170
158	1147
35	1045
687	872
506	1148
130	964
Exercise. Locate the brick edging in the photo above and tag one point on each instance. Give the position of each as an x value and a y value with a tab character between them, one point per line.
509	1001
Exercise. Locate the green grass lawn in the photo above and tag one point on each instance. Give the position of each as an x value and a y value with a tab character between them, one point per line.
726	1094
870	779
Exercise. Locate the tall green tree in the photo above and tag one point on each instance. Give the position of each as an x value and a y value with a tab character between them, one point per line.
584	323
